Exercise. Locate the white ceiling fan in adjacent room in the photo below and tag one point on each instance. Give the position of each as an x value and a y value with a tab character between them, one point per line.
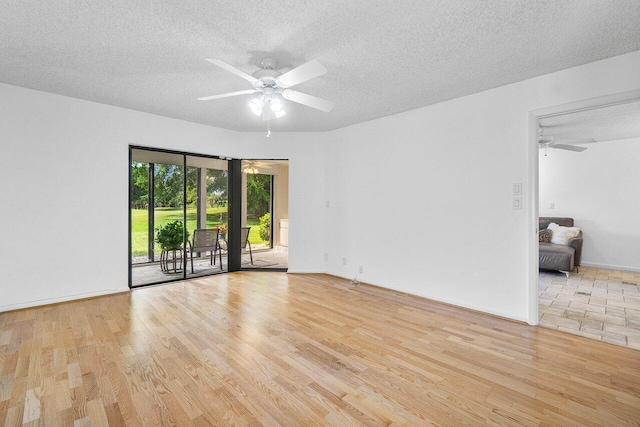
253	167
273	87
548	141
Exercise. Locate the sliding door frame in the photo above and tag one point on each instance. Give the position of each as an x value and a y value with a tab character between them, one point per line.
233	214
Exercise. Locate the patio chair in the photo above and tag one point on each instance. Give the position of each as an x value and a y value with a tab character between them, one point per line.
205	240
245	241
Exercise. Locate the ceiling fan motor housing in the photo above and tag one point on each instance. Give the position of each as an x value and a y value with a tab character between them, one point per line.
266	77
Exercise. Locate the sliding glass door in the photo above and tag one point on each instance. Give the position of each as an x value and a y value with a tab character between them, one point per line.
193	215
178	216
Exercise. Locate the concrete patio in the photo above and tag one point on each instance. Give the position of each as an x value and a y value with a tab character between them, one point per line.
150	273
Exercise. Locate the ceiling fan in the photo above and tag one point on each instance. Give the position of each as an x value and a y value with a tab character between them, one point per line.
550	142
272	86
252	166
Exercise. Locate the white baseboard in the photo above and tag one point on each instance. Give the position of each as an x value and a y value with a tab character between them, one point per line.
486	310
610	267
305	272
66	298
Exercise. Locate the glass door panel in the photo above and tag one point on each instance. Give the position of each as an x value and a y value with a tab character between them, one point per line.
207	212
169	216
265	213
140	251
157	217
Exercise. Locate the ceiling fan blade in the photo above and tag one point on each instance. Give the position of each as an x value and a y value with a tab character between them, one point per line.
569	147
308	100
263	164
306	71
577	141
226	95
233	70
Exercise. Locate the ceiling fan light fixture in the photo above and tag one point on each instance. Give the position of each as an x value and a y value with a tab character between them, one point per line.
276	105
272	108
251	170
256	105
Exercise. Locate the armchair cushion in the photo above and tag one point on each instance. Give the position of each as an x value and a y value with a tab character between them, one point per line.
545	235
556	257
561	235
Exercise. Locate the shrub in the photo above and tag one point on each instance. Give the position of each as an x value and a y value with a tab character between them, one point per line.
265	227
170	235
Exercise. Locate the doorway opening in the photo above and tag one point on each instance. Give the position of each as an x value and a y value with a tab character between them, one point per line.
584	177
265	214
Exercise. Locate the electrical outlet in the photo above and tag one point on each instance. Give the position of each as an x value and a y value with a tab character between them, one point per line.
361	270
326	257
344	261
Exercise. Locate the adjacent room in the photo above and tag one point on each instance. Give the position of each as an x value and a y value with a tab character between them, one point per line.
589	174
319	213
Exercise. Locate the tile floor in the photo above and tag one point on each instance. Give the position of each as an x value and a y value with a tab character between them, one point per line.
595	303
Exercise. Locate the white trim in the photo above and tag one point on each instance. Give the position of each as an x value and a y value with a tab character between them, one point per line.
532	220
588	104
66	298
307	272
610	267
534	177
455	303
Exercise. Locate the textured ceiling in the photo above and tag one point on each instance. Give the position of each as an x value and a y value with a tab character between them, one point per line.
382	57
609	123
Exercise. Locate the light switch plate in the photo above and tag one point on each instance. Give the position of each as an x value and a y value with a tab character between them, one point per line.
517	203
517	188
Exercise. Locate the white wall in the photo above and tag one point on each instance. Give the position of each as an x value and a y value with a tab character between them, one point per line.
306	154
422	200
600	189
64	205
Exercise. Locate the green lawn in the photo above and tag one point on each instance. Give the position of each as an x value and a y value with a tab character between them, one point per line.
215	216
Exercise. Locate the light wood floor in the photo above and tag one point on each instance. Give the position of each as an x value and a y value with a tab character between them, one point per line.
258	348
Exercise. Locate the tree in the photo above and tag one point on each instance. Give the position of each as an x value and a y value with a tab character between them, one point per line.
258	194
168	185
217	184
168	190
139	185
192	185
